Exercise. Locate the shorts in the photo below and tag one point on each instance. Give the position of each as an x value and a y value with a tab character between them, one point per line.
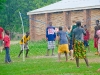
51	44
63	48
25	46
86	43
98	47
71	45
95	42
1	43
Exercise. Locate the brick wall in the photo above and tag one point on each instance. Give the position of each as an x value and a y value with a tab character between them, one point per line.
95	15
77	16
62	19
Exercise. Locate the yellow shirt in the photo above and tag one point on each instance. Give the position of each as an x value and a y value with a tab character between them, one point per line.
25	39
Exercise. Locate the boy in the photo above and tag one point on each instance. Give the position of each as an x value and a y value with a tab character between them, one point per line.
50	37
6	40
24	43
86	38
63	43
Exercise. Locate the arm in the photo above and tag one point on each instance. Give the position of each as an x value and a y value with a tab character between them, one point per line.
46	33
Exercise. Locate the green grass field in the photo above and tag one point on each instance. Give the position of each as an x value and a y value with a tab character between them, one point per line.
39	64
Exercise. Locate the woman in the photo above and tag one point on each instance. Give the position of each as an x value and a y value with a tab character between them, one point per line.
79	51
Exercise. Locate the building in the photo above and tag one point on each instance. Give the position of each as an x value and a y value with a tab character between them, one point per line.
63	13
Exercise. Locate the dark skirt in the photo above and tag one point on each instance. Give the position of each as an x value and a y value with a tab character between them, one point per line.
79	50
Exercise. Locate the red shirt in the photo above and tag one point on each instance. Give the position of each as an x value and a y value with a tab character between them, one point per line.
87	36
6	41
1	30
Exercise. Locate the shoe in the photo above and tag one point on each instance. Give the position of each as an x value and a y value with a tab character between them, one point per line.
96	53
53	55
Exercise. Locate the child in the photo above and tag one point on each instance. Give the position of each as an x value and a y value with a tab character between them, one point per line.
6	40
86	38
63	43
50	37
98	34
24	43
70	43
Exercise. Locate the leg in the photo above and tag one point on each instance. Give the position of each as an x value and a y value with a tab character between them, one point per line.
27	49
89	48
71	51
77	62
66	56
47	52
86	60
27	52
52	51
59	56
7	55
20	53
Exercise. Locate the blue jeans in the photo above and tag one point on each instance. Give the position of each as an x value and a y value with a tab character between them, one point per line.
7	56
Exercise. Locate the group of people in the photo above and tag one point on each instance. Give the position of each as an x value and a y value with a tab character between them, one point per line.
71	42
5	39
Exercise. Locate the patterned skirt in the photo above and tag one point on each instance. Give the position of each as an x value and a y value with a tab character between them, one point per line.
79	50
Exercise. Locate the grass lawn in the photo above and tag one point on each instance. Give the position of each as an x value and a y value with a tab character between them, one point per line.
39	64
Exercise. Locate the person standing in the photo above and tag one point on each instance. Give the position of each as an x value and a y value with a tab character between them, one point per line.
86	38
70	43
63	43
50	37
6	40
96	37
98	34
24	43
79	51
1	38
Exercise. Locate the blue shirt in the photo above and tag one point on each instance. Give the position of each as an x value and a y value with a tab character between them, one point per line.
63	37
50	33
78	33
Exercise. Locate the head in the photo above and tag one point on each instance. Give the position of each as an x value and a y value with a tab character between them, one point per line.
74	22
50	23
27	34
97	22
69	27
60	28
7	32
85	27
78	23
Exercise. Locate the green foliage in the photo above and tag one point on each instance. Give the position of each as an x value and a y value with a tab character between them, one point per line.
2	2
9	16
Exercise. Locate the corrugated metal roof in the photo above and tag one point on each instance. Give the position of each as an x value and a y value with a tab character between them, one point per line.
67	5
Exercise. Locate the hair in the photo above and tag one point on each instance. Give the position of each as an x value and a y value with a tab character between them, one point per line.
7	32
97	20
27	33
60	28
74	21
50	23
78	23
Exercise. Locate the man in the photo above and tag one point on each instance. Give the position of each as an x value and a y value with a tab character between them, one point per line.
1	37
96	37
50	37
24	42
